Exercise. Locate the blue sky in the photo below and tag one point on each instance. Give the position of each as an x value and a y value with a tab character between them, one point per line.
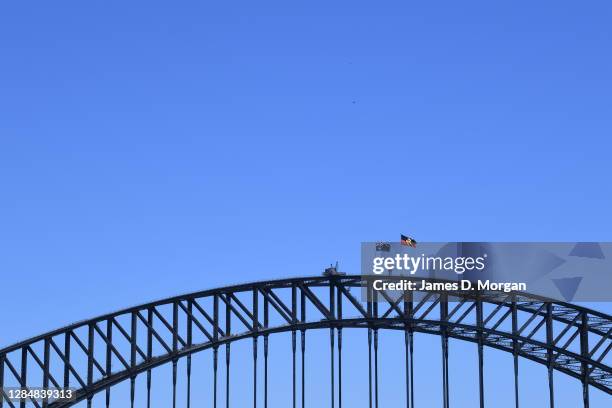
153	148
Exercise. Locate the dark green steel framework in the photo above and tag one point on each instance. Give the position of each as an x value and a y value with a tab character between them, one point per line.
564	337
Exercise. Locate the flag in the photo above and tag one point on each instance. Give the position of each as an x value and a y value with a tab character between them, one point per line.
404	240
383	246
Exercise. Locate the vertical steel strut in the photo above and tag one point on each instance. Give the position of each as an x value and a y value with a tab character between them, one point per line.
480	324
266	371
303	369
255	372
370	315
293	345
443	318
215	365
339	316
228	327
90	358
516	381
266	323
370	365
515	350
174	349
189	381
406	368
189	341
46	363
133	331
293	369
174	365
376	367
67	355
149	352
331	339
584	352
303	319
549	342
407	345
375	307
331	366
109	338
227	374
339	368
411	341
256	329
216	347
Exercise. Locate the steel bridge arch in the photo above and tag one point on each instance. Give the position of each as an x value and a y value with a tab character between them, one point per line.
564	337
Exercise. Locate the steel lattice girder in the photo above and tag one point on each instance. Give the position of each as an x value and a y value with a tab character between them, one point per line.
567	338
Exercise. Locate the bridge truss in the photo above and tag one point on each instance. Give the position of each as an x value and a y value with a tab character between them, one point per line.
95	355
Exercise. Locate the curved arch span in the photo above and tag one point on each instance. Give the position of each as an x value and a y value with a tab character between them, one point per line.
564	337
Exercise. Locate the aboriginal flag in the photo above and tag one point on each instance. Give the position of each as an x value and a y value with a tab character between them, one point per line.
404	240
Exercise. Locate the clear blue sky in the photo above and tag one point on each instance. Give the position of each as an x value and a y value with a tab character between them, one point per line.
149	148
